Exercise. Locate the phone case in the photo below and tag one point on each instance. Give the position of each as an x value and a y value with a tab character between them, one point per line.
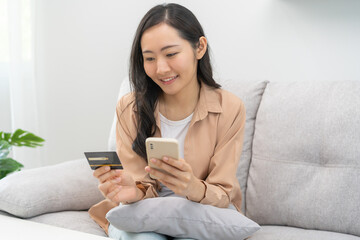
160	147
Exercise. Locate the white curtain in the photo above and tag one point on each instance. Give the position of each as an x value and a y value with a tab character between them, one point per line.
21	75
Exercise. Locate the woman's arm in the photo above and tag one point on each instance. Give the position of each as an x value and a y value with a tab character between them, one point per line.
125	134
217	188
221	179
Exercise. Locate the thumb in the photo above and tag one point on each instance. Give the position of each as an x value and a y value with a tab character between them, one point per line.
126	178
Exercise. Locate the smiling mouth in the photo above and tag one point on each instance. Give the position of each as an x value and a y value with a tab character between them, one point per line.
169	80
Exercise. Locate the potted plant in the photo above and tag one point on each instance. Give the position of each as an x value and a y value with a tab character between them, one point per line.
19	138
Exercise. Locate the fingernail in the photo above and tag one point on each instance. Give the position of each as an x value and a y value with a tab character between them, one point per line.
107	168
117	180
165	159
153	160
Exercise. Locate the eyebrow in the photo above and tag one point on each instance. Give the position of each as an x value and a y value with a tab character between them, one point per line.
162	49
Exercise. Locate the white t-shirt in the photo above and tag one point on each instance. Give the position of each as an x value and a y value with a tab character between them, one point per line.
175	129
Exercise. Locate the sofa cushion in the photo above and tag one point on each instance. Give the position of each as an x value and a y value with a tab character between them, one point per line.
287	233
182	219
250	93
74	220
6	214
305	169
61	187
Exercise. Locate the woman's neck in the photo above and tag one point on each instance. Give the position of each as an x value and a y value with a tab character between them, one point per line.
179	106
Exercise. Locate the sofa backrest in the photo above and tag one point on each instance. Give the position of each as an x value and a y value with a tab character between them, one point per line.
250	93
305	167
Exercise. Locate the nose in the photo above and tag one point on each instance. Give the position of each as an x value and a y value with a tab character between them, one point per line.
162	67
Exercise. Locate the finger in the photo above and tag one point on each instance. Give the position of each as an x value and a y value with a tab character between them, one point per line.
176	188
100	171
163	176
105	187
125	178
177	163
168	167
159	164
112	195
110	175
116	180
168	184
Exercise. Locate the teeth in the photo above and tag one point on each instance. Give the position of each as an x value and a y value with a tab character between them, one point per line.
168	79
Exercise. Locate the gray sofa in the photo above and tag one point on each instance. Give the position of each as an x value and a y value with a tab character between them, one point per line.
299	171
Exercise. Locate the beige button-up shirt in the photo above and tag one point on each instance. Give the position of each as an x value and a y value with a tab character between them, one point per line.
212	147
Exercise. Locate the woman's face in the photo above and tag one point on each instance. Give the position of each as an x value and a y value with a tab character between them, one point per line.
169	60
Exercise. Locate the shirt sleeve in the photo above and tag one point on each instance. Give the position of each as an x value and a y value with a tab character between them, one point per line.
220	182
132	162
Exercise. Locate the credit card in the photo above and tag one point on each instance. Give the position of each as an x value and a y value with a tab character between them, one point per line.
99	159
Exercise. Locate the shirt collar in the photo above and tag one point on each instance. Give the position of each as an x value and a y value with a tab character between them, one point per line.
208	102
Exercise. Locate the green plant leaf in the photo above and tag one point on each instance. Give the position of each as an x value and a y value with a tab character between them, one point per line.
17	133
5	149
24	138
9	165
5	136
18	138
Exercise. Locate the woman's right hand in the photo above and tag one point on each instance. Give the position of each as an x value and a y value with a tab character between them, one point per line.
117	185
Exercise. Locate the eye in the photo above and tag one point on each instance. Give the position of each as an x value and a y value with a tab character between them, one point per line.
149	59
171	54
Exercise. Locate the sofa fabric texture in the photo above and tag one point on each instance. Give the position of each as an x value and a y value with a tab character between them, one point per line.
74	220
62	187
292	233
305	168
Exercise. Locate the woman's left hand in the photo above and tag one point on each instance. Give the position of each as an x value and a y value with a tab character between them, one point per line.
178	177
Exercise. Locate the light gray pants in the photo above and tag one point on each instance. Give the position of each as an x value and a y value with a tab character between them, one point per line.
117	234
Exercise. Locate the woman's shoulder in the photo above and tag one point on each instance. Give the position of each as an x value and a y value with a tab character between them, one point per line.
229	111
126	104
228	100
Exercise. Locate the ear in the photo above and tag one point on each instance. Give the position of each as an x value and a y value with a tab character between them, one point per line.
201	48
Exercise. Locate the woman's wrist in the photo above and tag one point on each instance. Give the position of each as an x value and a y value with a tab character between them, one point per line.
197	193
139	196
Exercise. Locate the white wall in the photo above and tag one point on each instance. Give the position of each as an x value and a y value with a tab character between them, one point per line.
83	48
5	113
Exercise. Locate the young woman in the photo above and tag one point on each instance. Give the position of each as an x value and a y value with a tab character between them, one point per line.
174	95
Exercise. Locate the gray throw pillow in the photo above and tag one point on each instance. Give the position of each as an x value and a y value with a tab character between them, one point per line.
179	217
251	93
61	187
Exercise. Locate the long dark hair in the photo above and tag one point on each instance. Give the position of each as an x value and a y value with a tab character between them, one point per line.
146	90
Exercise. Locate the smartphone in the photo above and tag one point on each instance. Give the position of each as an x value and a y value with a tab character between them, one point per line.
99	159
160	147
